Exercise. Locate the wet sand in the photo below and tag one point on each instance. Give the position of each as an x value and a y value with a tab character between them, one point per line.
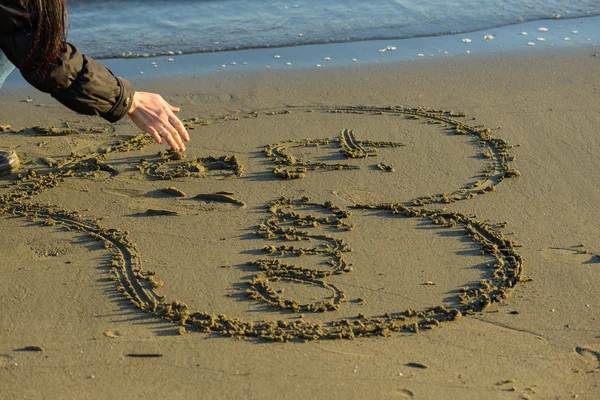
394	276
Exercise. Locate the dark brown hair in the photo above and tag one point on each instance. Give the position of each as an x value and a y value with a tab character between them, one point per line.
49	30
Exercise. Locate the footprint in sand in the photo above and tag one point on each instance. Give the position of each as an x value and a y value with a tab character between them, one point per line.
591	358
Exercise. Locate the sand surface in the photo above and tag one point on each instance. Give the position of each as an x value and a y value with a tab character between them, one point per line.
542	342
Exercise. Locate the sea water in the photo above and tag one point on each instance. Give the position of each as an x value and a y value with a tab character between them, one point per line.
136	28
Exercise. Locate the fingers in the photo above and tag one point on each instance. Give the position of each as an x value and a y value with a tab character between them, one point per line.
155	116
152	132
174	126
161	129
172	137
176	123
169	135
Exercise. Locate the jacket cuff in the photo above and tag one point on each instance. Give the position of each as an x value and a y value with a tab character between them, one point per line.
123	103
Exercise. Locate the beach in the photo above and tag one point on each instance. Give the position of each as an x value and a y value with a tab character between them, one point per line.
71	327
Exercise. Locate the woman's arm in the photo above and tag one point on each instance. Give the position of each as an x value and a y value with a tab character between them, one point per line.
82	84
77	81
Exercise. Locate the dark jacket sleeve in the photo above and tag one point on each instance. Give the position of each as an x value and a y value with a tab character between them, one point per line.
75	80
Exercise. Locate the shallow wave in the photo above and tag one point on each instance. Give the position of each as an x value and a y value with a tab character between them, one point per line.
135	28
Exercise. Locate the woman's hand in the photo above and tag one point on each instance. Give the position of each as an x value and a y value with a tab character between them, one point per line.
151	113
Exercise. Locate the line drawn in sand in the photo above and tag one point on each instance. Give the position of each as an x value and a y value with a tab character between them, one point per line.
289	167
140	286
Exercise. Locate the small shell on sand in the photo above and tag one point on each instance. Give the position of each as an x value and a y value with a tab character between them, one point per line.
112	333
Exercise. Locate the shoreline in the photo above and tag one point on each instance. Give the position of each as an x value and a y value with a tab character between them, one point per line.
506	39
374	39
